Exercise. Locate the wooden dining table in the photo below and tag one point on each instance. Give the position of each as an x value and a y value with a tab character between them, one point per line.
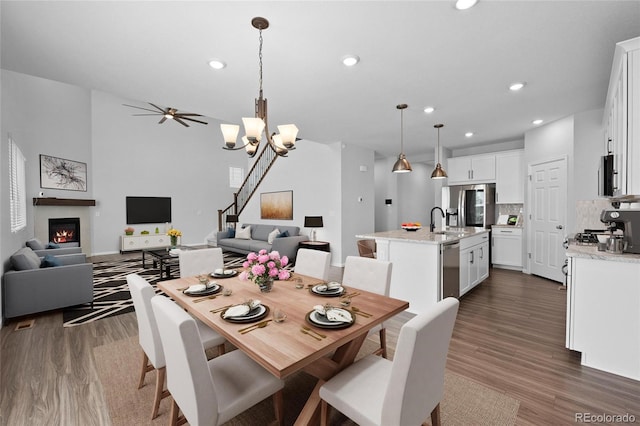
286	347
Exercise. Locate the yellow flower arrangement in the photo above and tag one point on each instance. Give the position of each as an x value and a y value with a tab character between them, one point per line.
174	233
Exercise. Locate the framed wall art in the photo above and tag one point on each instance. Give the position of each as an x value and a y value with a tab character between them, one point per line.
276	205
58	173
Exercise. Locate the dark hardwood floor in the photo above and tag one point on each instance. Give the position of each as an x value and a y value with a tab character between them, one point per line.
509	336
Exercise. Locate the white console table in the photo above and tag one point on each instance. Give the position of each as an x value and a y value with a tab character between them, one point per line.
140	242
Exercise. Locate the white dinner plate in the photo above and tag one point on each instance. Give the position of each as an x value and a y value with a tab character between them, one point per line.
322	321
230	274
330	292
254	314
207	291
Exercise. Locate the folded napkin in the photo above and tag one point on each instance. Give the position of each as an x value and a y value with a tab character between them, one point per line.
240	310
328	286
196	288
218	271
221	271
334	314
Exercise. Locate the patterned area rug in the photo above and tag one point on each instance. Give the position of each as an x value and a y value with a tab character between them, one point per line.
111	293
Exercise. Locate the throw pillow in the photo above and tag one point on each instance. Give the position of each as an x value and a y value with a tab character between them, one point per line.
244	233
52	245
284	234
35	244
25	259
231	232
49	261
273	235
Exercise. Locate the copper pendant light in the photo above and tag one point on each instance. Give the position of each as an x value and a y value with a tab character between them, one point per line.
438	172
402	165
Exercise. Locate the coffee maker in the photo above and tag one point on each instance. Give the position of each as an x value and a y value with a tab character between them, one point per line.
628	221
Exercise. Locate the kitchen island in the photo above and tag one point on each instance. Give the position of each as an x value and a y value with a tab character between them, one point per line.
418	269
603	309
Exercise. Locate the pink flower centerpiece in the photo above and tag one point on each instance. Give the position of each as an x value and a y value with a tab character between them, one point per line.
262	268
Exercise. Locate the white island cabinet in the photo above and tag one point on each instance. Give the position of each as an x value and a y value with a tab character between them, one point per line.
603	309
416	274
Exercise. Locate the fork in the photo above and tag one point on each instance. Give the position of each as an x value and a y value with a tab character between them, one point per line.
313	331
363	313
213	296
220	309
309	334
262	324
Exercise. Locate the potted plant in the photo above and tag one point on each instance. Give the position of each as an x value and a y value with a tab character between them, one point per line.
174	234
262	268
128	230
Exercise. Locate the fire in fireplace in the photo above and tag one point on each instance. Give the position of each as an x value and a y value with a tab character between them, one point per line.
65	231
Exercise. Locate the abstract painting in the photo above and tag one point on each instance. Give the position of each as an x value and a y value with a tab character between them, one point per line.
58	173
276	205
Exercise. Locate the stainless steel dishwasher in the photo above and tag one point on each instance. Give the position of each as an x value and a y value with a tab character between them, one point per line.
450	253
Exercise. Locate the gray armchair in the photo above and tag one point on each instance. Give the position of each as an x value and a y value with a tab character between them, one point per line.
28	288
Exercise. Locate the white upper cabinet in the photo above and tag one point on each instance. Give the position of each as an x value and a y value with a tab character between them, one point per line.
622	118
471	169
510	177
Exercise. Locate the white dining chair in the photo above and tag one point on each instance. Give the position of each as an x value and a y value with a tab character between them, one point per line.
372	275
209	392
313	263
376	392
202	261
152	354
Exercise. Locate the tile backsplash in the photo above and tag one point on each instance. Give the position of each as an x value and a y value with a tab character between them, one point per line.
588	213
516	209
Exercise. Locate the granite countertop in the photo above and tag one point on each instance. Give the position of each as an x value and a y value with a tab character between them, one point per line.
508	226
591	252
423	236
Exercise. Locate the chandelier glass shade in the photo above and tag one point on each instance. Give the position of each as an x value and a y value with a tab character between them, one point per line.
438	172
257	127
402	164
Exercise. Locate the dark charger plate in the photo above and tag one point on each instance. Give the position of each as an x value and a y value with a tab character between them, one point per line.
214	289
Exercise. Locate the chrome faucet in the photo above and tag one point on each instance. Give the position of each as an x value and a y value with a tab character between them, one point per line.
432	226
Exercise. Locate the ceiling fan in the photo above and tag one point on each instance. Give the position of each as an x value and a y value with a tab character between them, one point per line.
169	113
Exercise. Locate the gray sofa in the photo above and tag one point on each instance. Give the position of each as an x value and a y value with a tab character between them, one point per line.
286	246
29	288
41	249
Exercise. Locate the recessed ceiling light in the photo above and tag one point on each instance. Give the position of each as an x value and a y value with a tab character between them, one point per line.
429	109
350	60
465	4
217	64
538	121
468	134
516	86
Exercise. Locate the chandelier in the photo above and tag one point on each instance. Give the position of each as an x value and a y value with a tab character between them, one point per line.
257	127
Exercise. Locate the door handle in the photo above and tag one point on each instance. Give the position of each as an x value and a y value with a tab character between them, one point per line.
559	227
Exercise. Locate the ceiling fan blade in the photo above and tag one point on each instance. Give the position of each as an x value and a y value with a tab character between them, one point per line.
133	106
164	111
188	114
190	119
180	121
155	113
162	120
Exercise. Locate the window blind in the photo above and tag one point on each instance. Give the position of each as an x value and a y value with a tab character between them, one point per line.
17	187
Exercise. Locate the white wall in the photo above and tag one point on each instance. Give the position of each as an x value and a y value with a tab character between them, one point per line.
44	117
588	147
312	172
357	216
134	155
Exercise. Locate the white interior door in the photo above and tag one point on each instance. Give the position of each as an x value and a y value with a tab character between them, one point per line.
547	218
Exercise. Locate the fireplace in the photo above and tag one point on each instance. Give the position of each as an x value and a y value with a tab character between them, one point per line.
65	231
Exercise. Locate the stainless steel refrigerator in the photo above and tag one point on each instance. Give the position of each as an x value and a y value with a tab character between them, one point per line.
469	205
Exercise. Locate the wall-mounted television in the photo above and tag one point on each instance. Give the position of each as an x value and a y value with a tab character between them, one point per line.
148	210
